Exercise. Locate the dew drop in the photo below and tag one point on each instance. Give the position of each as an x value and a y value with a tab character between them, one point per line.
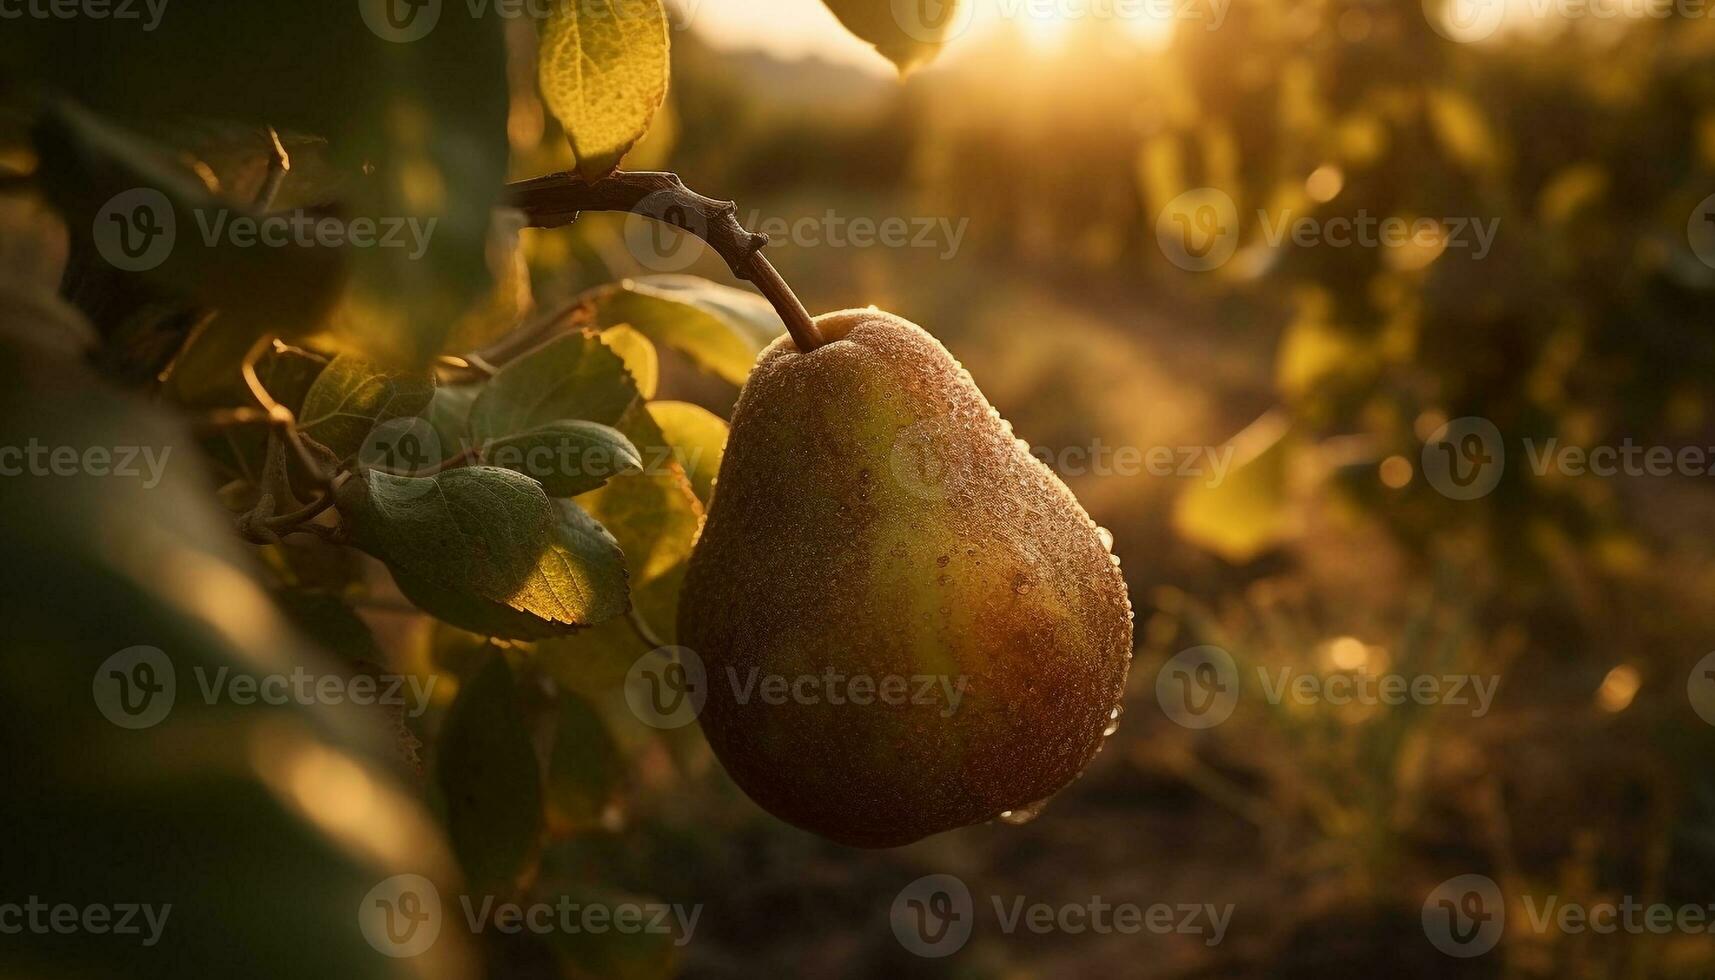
1107	537
1023	814
942	561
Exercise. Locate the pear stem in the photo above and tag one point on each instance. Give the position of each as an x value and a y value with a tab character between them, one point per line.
555	200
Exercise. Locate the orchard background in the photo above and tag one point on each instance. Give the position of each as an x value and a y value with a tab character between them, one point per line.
1243	274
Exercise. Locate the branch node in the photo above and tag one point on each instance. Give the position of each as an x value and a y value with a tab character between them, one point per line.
554	200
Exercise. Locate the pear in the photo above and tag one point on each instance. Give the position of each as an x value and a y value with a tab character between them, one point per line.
907	622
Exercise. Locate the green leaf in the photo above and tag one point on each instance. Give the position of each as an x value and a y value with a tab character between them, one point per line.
585	771
698	437
449	413
140	217
603	72
98	565
486	550
487	771
417	130
572	377
566	457
353	395
907	34
721	328
655	515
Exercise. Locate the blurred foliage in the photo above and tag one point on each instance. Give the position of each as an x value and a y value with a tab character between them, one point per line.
1324	549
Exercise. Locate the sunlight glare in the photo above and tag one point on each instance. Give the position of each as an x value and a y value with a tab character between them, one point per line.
1153	31
1046	30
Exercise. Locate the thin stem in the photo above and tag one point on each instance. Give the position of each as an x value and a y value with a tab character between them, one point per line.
573	315
555	200
226	418
465	457
768	282
278	414
308	512
279	164
642	629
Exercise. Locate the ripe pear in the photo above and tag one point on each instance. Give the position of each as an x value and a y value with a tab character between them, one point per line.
907	622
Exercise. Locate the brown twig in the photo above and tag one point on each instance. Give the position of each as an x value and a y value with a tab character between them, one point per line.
278	414
309	512
279	165
555	200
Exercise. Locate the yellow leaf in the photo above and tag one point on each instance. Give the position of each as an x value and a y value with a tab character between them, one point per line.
698	437
1569	190
1250	510
1313	349
654	514
907	34
1463	128
639	354
603	73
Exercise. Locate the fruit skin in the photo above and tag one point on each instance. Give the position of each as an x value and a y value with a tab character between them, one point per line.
875	517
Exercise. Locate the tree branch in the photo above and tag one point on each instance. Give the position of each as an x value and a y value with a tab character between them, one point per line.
554	200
